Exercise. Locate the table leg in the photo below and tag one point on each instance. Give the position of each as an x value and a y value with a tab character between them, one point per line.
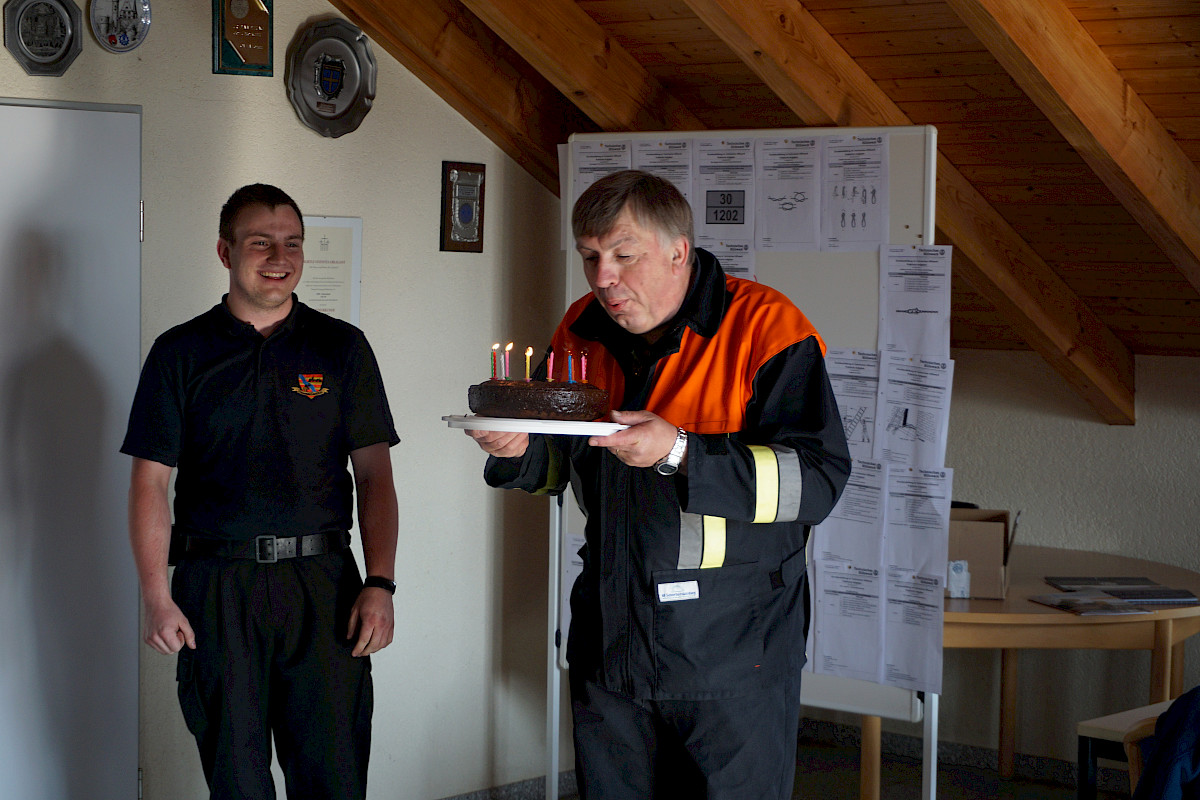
870	755
1008	712
1177	670
1161	674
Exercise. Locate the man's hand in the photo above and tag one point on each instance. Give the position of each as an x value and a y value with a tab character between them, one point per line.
648	438
166	628
372	620
501	444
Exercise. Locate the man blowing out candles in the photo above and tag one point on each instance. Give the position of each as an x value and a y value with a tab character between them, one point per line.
690	615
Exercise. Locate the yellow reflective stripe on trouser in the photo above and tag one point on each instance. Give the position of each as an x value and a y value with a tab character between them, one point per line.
701	541
777	482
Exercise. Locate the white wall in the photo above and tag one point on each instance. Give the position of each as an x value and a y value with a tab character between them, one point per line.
460	695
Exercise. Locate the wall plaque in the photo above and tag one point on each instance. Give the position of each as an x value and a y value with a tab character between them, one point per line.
43	35
243	41
462	207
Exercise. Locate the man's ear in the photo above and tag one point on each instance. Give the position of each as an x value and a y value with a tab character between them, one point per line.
680	253
223	252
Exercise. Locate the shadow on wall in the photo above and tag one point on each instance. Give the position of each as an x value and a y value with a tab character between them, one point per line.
53	410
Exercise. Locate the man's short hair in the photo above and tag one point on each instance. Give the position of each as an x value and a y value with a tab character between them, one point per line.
256	194
654	202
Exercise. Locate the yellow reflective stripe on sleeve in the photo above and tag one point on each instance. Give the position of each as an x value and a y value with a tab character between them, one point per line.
714	542
766	481
553	471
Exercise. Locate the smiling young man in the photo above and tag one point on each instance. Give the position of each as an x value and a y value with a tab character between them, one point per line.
689	616
260	404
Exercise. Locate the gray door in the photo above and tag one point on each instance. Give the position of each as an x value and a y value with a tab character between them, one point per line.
69	357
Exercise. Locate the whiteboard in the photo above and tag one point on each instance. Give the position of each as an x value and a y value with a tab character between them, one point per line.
839	292
70	262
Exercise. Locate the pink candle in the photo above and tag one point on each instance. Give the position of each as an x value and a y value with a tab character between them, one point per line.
495	360
550	366
583	366
507	348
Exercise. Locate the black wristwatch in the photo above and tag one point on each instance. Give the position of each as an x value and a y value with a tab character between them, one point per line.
380	582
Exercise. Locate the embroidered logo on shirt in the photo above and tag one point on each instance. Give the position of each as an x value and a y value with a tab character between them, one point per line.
310	385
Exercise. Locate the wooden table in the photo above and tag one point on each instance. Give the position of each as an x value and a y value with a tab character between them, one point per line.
1016	623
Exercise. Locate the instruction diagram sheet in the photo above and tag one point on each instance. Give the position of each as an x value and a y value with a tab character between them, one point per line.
913	412
736	257
595	158
724	184
914	299
854	192
788	200
848	555
916	548
854	376
669	159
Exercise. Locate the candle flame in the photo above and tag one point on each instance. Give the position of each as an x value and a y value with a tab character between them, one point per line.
507	346
496	346
528	351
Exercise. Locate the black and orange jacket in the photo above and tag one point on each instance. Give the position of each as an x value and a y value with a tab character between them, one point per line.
693	586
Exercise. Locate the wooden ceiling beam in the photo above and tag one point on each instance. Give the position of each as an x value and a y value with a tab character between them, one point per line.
477	74
575	54
797	58
1062	69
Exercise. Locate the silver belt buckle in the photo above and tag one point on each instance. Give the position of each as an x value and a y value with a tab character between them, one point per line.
264	549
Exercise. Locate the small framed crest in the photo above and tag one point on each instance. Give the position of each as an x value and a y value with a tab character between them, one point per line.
462	207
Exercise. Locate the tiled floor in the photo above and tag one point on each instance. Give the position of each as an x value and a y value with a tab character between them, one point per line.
830	772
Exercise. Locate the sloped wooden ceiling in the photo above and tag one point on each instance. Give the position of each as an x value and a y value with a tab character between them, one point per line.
1073	203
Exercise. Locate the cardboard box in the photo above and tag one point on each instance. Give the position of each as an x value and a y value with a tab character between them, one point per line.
981	538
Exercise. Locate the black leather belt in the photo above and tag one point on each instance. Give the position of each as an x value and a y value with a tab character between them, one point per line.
266	549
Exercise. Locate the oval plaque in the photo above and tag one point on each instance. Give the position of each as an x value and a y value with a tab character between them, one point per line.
331	77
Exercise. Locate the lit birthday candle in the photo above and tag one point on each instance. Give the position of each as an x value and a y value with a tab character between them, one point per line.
495	360
528	353
550	366
583	366
570	367
507	348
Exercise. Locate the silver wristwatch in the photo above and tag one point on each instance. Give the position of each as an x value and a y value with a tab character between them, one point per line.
669	464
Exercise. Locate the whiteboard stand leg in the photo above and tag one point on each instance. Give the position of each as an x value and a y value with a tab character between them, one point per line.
553	678
929	748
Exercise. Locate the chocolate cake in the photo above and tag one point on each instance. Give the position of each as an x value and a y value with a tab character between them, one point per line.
560	400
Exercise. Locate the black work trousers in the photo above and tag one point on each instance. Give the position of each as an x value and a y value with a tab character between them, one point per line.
272	657
740	748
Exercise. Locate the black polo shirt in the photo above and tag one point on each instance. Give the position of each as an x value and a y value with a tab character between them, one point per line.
260	429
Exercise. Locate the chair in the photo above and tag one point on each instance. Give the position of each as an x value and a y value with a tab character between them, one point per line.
1104	737
1169	768
1135	751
